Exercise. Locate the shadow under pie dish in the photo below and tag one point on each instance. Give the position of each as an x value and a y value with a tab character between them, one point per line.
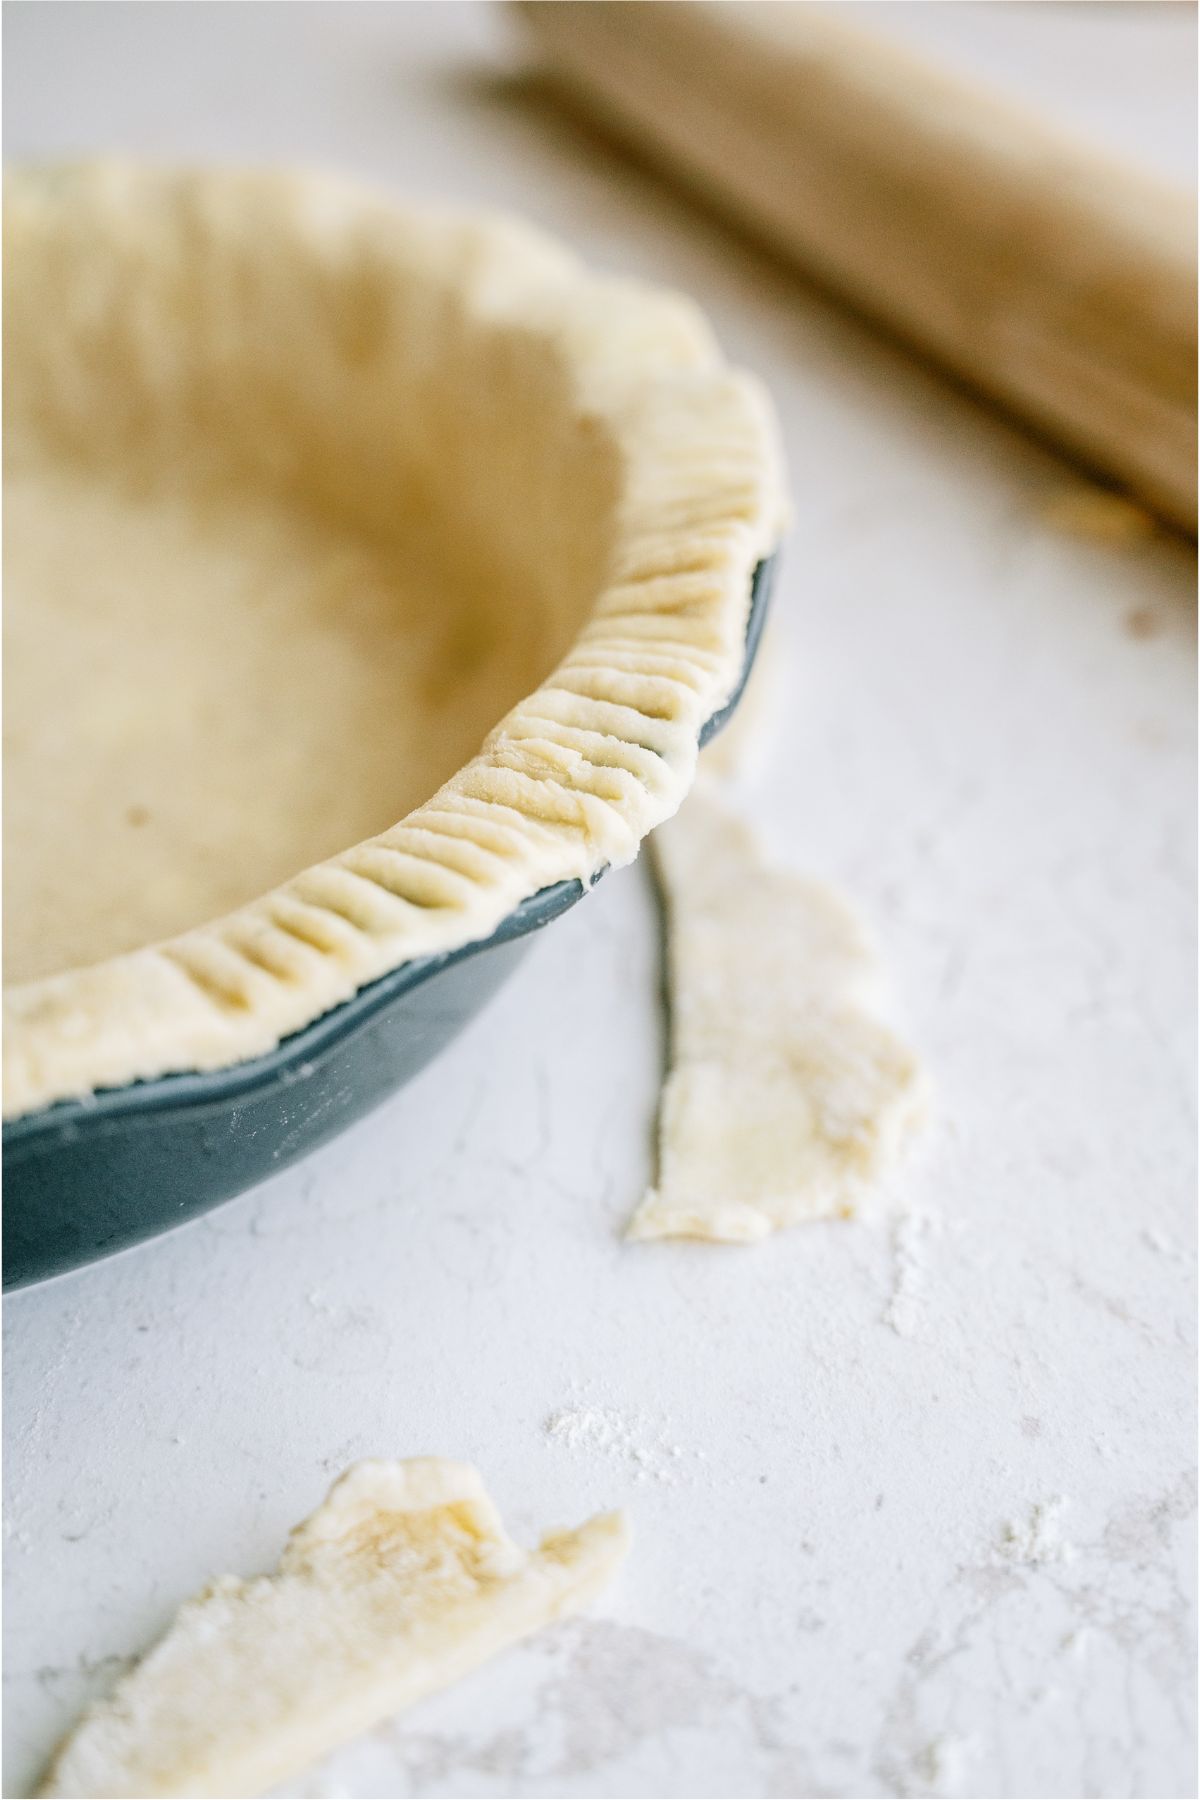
304	492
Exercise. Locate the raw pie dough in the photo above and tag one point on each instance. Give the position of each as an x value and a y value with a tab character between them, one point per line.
217	694
304	493
787	1092
403	1580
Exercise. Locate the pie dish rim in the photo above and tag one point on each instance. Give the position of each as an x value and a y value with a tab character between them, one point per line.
576	774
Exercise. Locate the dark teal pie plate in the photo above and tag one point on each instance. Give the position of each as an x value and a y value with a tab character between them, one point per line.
85	1178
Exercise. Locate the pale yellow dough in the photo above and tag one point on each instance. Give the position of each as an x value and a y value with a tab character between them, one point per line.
216	696
402	1581
366	570
787	1094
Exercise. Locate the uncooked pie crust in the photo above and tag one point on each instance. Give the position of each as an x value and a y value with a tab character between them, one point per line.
402	1581
303	492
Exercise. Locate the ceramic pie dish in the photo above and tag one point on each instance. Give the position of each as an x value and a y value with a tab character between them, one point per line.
303	494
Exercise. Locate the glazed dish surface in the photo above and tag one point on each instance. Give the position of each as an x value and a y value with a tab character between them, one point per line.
366	570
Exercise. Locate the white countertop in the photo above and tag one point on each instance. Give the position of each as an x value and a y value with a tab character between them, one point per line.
949	1558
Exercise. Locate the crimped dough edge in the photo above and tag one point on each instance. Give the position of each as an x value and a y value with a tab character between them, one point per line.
574	776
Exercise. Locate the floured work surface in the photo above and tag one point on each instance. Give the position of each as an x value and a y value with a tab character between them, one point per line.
988	740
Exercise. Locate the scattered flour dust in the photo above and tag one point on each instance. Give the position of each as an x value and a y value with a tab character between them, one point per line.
1039	1539
1162	1245
905	1304
942	1764
641	1444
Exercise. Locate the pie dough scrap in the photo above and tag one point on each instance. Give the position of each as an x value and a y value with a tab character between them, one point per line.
788	1093
403	1580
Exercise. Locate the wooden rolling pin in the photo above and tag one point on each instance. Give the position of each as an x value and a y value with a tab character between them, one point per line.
1047	274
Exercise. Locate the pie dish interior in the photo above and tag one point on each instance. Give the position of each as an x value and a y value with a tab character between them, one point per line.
365	571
